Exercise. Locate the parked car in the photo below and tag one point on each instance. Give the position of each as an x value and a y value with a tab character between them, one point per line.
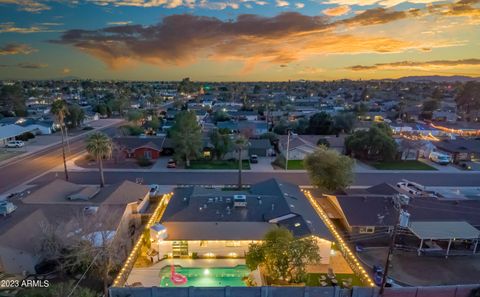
439	158
171	164
410	187
253	159
15	143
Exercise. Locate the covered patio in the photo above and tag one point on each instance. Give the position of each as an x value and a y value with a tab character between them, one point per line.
430	233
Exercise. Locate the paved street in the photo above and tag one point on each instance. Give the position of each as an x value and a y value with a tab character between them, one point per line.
16	173
300	178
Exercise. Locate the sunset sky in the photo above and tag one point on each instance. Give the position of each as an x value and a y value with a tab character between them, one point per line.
246	40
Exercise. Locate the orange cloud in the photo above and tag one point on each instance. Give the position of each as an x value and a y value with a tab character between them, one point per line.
337	11
412	65
252	39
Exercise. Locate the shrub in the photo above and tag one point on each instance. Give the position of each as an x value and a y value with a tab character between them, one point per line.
25	136
144	162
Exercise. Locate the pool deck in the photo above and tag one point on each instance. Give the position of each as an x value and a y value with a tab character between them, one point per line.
150	276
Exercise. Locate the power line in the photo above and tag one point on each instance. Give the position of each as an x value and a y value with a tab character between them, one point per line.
84	273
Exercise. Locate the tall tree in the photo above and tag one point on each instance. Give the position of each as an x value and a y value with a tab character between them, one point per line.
328	170
222	143
99	146
187	136
75	116
240	143
321	124
468	99
376	143
60	110
12	101
283	256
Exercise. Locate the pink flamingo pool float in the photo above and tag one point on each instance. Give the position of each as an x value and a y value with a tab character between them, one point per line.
177	278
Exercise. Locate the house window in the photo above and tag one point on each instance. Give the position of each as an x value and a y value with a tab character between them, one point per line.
207	154
203	243
232	243
147	155
367	229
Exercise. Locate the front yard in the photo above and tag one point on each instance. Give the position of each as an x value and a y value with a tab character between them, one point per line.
401	165
218	164
295	165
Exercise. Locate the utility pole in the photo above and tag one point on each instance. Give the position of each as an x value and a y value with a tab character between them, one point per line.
288	149
398	204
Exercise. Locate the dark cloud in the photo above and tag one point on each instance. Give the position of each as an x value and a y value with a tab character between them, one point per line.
16	49
380	15
25	65
183	39
414	64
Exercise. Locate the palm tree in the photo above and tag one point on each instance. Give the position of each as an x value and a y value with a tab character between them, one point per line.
241	142
59	109
99	146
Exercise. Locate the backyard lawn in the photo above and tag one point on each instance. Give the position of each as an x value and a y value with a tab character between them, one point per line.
313	279
295	165
402	165
218	164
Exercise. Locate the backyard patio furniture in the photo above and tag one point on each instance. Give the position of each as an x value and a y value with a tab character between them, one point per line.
323	277
334	281
323	284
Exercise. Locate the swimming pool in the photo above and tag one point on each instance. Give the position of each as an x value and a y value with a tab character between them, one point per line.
207	277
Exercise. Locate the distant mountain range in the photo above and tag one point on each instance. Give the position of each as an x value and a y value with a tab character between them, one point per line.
439	78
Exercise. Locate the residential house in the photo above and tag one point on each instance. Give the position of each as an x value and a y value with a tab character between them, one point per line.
302	145
210	223
64	205
260	147
461	149
369	215
140	147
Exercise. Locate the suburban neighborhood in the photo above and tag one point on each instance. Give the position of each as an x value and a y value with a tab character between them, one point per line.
342	187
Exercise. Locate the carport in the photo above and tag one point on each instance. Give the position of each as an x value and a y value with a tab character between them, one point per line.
444	231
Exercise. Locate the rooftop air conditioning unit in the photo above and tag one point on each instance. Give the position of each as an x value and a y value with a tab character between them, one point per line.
239	200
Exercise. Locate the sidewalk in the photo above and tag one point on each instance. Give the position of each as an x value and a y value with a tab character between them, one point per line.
44	142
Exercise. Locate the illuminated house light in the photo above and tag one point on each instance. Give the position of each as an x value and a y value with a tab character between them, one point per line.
128	264
350	257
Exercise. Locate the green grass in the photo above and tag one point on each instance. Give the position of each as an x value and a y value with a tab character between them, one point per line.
295	165
402	165
214	164
313	279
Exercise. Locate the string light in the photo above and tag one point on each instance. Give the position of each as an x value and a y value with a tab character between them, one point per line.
350	257
132	257
460	132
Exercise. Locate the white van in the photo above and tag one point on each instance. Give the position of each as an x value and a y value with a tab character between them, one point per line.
439	158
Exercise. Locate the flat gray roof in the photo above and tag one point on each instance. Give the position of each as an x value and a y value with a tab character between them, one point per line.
444	230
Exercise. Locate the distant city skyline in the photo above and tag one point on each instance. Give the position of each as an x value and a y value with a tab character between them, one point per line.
238	40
